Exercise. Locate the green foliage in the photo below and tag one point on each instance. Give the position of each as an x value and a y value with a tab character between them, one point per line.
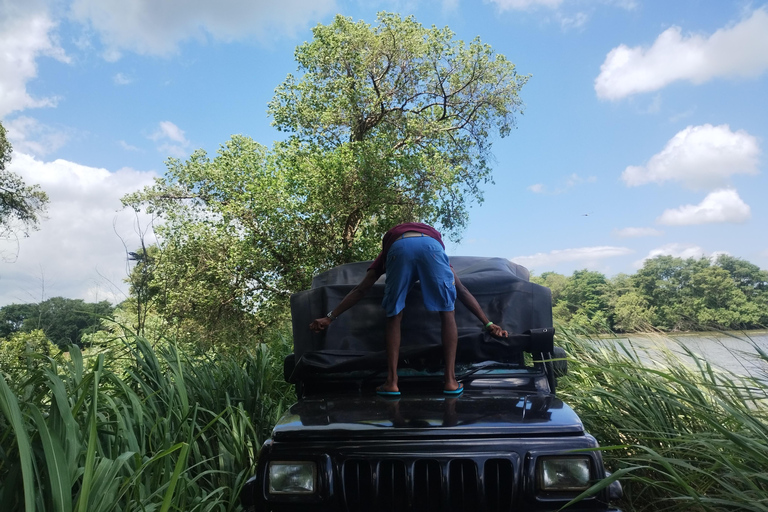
233	245
667	294
717	301
664	281
23	353
20	204
687	294
12	317
688	436
586	290
64	321
396	122
751	280
144	291
632	313
554	281
386	124
579	300
147	428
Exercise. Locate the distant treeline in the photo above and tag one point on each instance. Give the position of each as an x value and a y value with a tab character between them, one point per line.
64	321
668	293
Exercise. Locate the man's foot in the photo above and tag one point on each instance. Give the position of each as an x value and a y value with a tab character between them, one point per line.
383	390
459	390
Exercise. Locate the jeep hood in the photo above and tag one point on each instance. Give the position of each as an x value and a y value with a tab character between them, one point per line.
469	415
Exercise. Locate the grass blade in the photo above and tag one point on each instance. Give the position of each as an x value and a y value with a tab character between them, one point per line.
180	465
61	492
10	407
90	454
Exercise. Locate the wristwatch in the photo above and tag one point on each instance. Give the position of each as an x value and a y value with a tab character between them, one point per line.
330	315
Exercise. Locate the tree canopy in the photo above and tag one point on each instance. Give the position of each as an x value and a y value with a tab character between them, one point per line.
667	293
385	124
20	204
396	120
63	321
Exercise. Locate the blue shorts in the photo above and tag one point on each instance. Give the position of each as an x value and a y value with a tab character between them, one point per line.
418	259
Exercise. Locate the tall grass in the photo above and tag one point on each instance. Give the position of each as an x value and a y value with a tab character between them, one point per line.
150	428
692	437
138	426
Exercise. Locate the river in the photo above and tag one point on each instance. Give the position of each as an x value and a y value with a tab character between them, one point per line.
733	351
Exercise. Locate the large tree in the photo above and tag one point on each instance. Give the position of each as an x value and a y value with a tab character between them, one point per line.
20	204
391	123
386	124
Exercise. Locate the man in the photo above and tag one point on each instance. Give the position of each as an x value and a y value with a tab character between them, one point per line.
414	252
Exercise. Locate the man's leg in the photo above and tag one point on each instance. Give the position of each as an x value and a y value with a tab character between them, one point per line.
393	351
450	336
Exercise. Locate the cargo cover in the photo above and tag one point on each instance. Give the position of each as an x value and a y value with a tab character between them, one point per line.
355	341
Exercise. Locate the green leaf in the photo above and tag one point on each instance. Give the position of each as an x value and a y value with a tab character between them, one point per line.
181	465
10	407
90	454
56	462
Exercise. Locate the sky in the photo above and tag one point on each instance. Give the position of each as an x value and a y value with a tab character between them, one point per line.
643	131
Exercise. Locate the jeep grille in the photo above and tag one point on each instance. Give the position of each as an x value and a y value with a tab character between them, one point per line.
428	485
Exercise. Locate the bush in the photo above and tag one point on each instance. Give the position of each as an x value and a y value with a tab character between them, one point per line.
690	436
149	428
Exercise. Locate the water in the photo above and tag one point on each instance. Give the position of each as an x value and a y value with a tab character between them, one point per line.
733	351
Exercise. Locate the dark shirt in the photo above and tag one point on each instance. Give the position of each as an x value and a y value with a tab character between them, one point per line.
391	236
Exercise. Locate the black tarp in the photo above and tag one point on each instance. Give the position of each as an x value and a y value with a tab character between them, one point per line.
355	340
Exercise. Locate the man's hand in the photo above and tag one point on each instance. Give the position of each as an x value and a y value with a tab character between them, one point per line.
497	332
320	324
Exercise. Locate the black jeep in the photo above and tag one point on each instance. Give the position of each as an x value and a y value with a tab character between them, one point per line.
506	444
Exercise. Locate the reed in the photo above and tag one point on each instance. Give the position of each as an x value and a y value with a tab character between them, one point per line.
134	425
146	428
685	434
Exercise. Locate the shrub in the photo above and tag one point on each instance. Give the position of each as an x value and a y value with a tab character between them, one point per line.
149	428
690	436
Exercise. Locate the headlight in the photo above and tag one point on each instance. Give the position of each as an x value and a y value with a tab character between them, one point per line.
557	474
292	477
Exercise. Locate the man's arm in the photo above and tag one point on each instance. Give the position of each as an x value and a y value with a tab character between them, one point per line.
352	298
469	300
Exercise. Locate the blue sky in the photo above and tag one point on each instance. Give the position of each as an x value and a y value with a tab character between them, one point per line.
644	127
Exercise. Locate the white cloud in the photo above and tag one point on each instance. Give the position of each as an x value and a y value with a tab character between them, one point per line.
573	22
127	146
740	50
700	157
574	179
567	183
77	252
682	115
156	28
655	106
122	79
718	206
636	232
624	4
25	35
28	135
450	6
676	250
522	5
586	256
168	131
519	5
